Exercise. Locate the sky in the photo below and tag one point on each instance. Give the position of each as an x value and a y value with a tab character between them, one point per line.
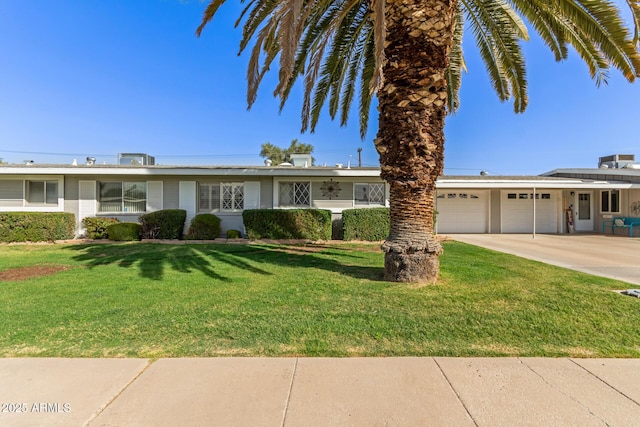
96	78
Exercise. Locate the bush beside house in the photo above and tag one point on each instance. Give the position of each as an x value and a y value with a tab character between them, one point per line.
233	234
163	224
370	224
36	226
310	224
124	231
96	227
204	227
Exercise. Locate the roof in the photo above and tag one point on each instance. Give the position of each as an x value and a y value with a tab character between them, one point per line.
550	180
157	170
607	174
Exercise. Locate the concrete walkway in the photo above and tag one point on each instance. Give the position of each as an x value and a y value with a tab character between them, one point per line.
615	257
320	392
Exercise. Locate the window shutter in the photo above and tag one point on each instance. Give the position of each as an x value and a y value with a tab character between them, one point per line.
252	195
86	202
11	193
187	198
154	196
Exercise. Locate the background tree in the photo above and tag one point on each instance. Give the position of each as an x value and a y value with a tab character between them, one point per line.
408	53
280	155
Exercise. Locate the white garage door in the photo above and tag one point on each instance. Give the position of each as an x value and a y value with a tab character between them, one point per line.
462	211
517	211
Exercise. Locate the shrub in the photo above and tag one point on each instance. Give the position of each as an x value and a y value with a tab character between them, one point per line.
366	224
164	224
311	224
233	234
204	227
124	231
36	226
96	227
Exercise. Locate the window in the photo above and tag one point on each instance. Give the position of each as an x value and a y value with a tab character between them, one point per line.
129	197
368	194
220	196
511	196
295	194
610	201
42	192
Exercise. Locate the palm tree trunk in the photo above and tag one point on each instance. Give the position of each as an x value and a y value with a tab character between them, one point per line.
410	140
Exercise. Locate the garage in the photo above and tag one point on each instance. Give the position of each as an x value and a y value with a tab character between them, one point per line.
462	211
517	211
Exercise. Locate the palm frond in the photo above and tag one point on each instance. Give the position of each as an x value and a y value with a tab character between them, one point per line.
456	64
366	77
634	5
337	47
546	25
208	14
600	23
379	31
498	37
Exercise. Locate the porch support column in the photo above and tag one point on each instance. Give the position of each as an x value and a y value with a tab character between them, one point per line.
534	212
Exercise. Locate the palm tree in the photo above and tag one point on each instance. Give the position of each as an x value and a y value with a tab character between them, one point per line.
408	53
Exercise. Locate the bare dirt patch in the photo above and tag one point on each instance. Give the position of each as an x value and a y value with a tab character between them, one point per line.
23	273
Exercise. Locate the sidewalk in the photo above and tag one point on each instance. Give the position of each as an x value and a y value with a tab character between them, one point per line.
407	391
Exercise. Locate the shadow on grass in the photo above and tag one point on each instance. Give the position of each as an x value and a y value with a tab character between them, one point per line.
303	257
152	259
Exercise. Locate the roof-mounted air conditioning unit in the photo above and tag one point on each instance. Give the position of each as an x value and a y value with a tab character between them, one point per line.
136	159
616	161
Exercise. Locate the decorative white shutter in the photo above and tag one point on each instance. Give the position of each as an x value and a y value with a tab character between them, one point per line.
252	195
154	196
86	202
187	200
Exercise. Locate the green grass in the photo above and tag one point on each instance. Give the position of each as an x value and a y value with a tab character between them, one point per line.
152	300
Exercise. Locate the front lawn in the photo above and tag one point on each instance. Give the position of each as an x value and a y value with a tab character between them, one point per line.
153	300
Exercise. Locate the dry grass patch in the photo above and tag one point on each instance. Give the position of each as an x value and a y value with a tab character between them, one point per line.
24	273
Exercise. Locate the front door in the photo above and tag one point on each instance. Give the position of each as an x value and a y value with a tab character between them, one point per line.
583	209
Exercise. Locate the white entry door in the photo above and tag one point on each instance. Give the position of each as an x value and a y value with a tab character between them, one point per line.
583	209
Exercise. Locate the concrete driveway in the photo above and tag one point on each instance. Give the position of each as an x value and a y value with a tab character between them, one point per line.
615	257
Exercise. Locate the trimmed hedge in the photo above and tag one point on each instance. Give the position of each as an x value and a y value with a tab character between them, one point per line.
164	224
36	226
370	224
124	231
96	227
204	227
310	224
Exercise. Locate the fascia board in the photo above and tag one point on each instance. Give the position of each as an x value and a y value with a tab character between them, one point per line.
96	170
535	184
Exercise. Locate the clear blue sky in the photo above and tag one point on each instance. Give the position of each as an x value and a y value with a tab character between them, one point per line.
89	77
